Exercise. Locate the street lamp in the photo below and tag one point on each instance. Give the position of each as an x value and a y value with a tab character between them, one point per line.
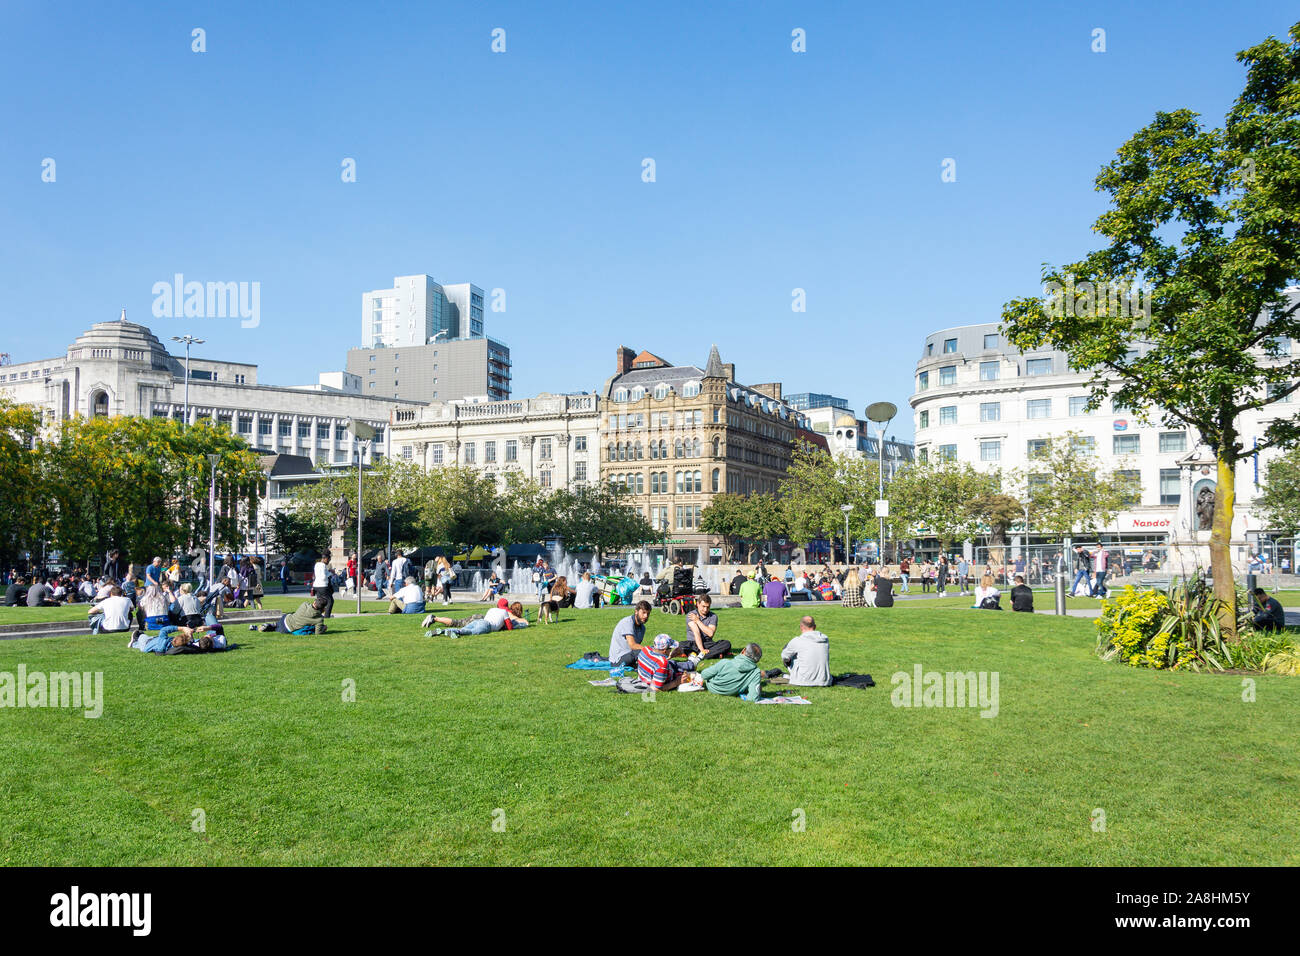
212	522
188	340
846	509
882	413
365	434
435	336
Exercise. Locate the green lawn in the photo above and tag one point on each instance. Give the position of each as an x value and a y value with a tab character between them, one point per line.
445	732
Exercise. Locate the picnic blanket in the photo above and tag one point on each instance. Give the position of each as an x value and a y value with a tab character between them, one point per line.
587	664
860	681
783	700
607	682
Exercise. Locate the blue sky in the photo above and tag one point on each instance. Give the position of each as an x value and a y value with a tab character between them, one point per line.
521	170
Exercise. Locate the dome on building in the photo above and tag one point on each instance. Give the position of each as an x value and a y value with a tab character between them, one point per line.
845	420
123	341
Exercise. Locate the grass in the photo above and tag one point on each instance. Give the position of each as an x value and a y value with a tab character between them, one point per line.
444	734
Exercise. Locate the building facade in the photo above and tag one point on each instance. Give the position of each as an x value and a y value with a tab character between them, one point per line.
443	371
980	400
417	309
550	438
806	401
674	436
121	368
846	434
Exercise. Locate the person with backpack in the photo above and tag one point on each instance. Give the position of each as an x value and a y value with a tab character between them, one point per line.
987	596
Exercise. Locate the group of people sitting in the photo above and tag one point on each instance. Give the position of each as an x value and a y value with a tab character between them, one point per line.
663	663
849	586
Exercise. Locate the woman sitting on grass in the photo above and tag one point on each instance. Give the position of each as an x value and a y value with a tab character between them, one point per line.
987	591
853	590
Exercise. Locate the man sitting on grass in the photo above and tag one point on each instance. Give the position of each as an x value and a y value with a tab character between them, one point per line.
736	676
626	641
308	619
1022	598
775	594
808	656
702	628
654	666
112	614
409	600
1271	617
16	593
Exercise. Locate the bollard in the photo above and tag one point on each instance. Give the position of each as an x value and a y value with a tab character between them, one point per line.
1060	586
1251	584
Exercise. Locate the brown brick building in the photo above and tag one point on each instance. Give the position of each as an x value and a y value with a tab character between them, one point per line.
676	435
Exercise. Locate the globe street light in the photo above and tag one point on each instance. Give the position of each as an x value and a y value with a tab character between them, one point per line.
188	340
882	413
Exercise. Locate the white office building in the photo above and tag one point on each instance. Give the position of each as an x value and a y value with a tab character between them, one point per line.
417	309
849	435
551	438
980	400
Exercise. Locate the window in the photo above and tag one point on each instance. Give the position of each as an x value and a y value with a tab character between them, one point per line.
264	426
922	381
699	483
579	442
989	371
407	452
1169	486
470	456
544	452
1078	405
948	452
340	432
620	395
677	448
715	479
991	340
948	415
512	449
546	478
1035	447
245	424
1173	441
923	455
1084	445
1038	408
691	389
949	346
579	471
990	412
654	482
948	375
437	454
929	348
923	420
1038	366
1127	444
680	478
1272	389
661	392
304	429
990	451
489	451
1133	494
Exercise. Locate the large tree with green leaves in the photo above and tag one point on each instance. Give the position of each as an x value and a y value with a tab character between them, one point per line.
1066	490
735	518
1278	502
24	500
1209	220
816	487
598	518
940	497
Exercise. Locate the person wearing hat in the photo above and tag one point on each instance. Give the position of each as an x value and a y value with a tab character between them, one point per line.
655	666
486	623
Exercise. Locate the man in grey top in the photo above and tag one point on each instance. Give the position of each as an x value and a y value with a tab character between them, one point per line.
40	595
963	574
808	656
588	596
629	636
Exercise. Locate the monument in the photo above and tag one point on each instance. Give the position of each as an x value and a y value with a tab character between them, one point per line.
342	518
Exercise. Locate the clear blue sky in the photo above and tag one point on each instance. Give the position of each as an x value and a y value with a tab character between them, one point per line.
522	170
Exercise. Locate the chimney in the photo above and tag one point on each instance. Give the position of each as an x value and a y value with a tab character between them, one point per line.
625	357
770	389
730	369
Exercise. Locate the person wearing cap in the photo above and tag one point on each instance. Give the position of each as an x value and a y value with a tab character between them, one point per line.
409	600
654	665
486	623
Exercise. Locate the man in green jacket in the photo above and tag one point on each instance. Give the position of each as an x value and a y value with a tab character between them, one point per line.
751	593
310	614
736	676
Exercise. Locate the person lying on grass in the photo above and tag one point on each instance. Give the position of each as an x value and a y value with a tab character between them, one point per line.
736	676
205	637
308	619
654	665
504	617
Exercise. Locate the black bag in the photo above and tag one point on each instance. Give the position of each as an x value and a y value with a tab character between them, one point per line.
991	603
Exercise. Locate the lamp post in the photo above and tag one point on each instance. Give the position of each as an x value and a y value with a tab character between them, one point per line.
846	509
188	340
882	413
365	434
212	522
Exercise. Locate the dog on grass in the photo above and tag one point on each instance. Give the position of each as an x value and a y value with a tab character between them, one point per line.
549	612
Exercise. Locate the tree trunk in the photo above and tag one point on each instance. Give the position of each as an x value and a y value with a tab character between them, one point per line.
1225	585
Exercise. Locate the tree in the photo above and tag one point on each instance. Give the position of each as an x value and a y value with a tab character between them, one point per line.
526	510
23	502
817	486
1210	220
1066	491
999	511
940	496
753	517
599	517
393	490
1279	500
293	532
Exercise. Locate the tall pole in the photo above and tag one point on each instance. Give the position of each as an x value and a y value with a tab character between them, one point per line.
212	524
880	475
188	340
360	452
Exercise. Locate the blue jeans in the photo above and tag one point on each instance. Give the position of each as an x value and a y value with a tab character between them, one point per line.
473	627
905	578
415	607
1079	575
1099	589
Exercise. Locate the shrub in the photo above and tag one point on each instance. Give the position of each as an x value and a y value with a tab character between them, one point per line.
1175	628
1284	660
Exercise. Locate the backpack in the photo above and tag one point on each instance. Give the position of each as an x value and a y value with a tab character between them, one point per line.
991	603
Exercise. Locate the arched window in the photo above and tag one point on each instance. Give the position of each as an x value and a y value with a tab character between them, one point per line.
640	484
663	448
691	389
717	444
654	449
677	448
714	483
699	483
698	451
654	482
620	395
681	481
661	391
638	393
637	449
99	405
612	453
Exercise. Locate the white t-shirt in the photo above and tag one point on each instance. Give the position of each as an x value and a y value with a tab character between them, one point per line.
496	617
585	590
411	594
401	568
117	613
321	571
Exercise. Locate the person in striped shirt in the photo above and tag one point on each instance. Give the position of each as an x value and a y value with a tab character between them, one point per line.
655	667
